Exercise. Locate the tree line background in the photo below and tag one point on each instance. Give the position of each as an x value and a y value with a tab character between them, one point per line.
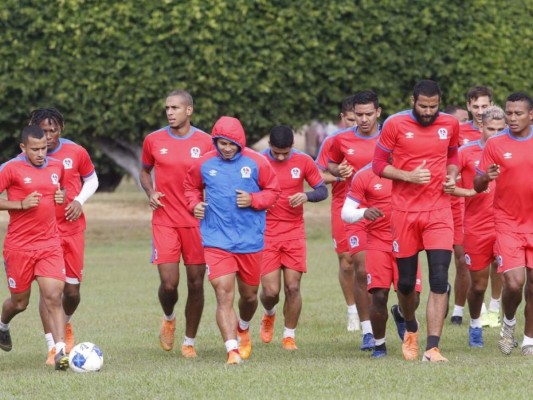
108	65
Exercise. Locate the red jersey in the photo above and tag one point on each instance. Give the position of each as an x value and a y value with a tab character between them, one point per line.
479	214
370	190
338	189
513	207
468	132
283	221
410	144
77	165
171	156
34	228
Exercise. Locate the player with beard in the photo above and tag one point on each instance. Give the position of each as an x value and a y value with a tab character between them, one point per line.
423	144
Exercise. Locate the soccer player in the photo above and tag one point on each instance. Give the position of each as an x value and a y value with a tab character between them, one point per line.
338	234
169	152
479	233
478	99
239	186
285	244
423	144
351	150
80	182
458	112
32	247
370	198
507	159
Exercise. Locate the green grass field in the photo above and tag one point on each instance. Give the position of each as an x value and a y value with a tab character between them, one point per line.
120	312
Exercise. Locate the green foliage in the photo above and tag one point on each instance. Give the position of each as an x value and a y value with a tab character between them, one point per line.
108	65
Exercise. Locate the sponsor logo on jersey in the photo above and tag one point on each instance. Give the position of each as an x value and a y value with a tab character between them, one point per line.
350	152
507	155
212	172
163	151
195	152
354	241
55	179
409	135
67	163
378	186
12	283
465	141
27	180
246	172
295	173
443	133
476	163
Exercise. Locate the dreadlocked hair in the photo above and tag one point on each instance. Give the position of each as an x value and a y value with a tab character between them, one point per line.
43	114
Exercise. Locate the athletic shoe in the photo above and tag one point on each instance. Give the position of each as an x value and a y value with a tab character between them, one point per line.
448	293
288	343
410	346
506	342
368	342
379	353
166	334
353	323
188	351
457	320
70	339
475	337
61	361
527	350
245	344
233	358
50	360
494	319
398	320
484	319
433	355
267	328
5	340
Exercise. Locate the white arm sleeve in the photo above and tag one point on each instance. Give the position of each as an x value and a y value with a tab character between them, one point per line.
351	213
90	184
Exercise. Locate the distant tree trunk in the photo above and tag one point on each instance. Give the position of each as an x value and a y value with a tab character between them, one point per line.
124	154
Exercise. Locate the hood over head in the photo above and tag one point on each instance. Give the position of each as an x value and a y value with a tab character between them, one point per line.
230	129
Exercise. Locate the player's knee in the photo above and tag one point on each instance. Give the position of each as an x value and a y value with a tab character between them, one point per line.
406	285
438	280
292	289
380	297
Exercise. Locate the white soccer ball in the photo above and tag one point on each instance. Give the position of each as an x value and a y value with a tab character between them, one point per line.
86	357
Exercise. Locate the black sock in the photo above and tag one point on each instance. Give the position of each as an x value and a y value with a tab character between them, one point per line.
433	341
381	347
411	326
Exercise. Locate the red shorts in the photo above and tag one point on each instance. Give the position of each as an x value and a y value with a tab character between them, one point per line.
382	271
220	262
73	248
421	230
357	240
171	243
479	250
22	266
458	212
514	250
290	254
340	242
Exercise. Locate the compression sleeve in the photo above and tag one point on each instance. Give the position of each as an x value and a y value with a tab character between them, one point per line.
320	193
90	184
350	212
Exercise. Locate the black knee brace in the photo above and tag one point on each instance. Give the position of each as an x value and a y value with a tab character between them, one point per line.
439	263
407	268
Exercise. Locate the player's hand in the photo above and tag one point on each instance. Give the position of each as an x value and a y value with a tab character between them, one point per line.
155	201
372	214
59	195
244	199
449	185
73	211
32	200
297	199
420	175
199	210
345	169
493	171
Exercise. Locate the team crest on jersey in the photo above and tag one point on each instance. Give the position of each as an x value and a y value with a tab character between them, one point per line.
409	135
378	186
27	180
212	172
163	151
295	173
443	133
468	260
67	163
195	152
395	247
507	156
476	163
12	283
354	241
55	179
350	152
246	172
368	279
465	141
